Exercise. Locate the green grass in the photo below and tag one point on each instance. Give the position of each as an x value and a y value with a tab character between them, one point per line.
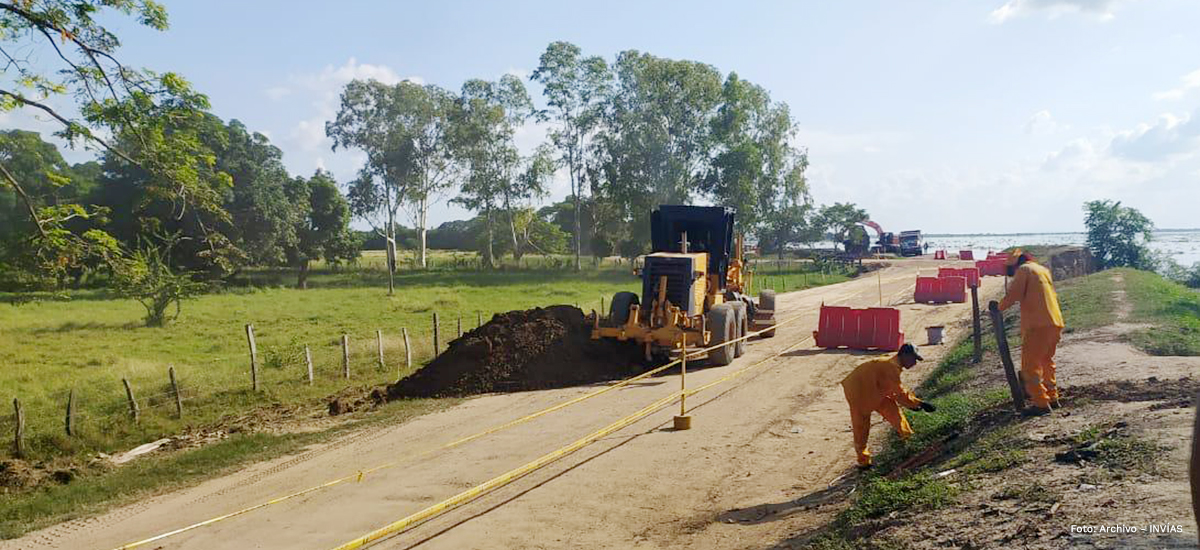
1087	302
1172	308
90	343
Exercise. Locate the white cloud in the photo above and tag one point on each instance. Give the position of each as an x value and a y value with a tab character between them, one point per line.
1169	136
1042	122
1189	82
1102	9
821	143
276	93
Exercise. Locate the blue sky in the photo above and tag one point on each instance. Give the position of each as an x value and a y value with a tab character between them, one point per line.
982	116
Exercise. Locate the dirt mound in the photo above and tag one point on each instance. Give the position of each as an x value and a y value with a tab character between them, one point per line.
522	350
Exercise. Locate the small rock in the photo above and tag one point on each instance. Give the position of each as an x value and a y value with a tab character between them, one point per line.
1087	487
1152	379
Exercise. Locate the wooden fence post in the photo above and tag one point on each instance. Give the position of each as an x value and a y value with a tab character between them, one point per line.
435	334
253	356
19	436
478	319
1014	385
175	391
346	356
976	325
460	326
407	350
601	312
71	413
308	361
134	411
379	340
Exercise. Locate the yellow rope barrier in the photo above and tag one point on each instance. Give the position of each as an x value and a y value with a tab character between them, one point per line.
501	480
358	475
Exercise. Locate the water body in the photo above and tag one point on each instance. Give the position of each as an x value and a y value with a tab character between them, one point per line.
1183	246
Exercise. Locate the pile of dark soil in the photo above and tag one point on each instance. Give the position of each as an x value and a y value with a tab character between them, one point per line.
522	350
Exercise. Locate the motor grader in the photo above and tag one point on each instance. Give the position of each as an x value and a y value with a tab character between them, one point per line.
694	285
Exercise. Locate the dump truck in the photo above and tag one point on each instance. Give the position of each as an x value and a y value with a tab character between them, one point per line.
694	289
911	243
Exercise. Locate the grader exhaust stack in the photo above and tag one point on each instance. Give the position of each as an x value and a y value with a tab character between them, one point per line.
694	285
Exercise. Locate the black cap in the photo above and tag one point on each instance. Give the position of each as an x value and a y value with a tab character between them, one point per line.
909	349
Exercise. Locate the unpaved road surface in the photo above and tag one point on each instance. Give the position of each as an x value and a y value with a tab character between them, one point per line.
777	434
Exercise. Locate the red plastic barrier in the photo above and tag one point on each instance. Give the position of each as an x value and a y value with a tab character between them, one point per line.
990	267
940	289
998	255
953	289
966	255
939	255
971	274
927	290
879	328
871	328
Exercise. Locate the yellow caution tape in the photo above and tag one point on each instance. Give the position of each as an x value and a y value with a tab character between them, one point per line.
359	475
501	480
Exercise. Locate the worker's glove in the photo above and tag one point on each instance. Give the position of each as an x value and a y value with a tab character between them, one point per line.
993	306
928	407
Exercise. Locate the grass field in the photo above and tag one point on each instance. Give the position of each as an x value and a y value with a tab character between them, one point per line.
89	342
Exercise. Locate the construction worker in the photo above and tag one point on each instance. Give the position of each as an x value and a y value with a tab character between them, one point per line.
875	386
1041	327
1194	469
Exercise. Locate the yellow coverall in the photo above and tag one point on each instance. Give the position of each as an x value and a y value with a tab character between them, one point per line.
875	386
1041	328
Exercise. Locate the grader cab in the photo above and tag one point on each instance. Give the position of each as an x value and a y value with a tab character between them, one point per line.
694	285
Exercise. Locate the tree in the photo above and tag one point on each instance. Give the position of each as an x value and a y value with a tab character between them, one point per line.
263	219
575	88
529	184
841	220
60	48
755	168
1117	235
146	275
656	143
322	226
403	131
487	116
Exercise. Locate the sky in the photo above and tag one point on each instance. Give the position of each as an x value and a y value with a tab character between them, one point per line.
951	117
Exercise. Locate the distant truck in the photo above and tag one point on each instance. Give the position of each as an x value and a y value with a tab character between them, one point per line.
911	243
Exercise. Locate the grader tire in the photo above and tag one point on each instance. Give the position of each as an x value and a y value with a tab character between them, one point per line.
721	323
741	325
618	309
766	300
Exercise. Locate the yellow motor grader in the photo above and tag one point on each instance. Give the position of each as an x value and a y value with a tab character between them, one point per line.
694	285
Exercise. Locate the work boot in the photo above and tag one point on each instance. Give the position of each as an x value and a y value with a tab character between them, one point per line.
865	467
1035	411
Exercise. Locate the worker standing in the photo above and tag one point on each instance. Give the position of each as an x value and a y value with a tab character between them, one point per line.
1041	328
875	386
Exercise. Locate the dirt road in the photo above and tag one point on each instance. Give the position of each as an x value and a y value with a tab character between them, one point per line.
777	433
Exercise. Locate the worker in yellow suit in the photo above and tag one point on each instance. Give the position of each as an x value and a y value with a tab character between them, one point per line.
875	386
1041	328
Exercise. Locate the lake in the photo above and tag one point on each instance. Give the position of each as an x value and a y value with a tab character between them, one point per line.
1183	246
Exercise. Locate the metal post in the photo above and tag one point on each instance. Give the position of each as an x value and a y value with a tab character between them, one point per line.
683	421
1010	372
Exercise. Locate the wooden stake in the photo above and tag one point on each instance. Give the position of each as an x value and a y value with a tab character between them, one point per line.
253	357
71	413
175	392
435	334
379	340
478	319
346	356
308	361
19	436
976	325
1014	385
602	312
460	326
134	412
407	351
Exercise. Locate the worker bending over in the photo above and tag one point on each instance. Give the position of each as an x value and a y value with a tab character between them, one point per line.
1041	327
875	386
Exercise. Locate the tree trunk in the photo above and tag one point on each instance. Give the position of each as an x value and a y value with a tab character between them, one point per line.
302	275
575	184
512	226
489	256
391	251
423	221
